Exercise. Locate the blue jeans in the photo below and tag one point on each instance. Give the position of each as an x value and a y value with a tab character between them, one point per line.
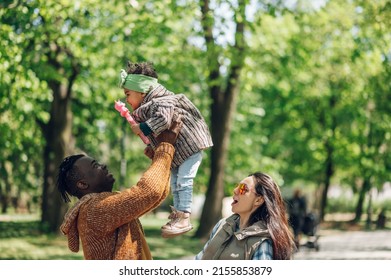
182	178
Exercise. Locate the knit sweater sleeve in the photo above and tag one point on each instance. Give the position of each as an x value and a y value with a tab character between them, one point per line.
114	210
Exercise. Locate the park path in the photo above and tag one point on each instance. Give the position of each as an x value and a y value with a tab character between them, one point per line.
348	245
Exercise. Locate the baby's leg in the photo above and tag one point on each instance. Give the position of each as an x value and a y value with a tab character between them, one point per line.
184	182
173	184
182	190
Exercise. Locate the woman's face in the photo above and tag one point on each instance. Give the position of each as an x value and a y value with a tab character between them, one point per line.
245	198
134	98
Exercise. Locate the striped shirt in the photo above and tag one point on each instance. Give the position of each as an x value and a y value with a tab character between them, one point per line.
157	110
263	252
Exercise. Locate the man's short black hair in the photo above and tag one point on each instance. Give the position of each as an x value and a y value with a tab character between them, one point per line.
67	176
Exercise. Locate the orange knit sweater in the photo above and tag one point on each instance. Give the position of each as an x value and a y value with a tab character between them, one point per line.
108	223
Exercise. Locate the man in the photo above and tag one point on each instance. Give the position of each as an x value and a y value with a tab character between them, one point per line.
297	207
106	222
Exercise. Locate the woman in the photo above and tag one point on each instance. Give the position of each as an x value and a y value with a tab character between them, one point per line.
257	230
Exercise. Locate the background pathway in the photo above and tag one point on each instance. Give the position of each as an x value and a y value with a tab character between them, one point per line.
348	245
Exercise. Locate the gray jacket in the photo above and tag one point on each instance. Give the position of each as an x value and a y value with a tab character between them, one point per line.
229	244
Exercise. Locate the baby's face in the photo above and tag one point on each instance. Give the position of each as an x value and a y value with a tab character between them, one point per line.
133	98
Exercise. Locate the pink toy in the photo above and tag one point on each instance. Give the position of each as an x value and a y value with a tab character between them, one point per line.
121	108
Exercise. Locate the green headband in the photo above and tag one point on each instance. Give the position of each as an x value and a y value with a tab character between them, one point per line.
137	82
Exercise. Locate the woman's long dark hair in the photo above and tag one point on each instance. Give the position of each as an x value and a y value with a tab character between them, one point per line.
273	212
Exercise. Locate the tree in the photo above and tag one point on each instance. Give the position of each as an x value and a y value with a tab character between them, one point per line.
223	91
70	50
52	59
299	92
310	86
21	141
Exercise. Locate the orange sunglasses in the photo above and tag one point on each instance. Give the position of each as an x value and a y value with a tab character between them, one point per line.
243	189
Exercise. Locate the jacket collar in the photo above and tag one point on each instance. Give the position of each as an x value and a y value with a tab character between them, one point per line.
257	229
159	91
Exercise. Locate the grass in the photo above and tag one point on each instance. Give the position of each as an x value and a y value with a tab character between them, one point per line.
179	247
22	239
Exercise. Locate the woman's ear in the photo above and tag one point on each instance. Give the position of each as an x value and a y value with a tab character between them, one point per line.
82	185
259	201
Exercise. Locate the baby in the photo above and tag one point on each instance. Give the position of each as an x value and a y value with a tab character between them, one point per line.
153	108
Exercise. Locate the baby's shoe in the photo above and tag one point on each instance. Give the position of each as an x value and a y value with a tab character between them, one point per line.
179	224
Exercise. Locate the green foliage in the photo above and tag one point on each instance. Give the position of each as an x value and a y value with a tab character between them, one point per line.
340	205
309	92
314	78
184	246
383	205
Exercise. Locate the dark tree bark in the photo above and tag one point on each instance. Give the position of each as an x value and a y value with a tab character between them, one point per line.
59	141
5	189
328	124
366	186
222	108
326	184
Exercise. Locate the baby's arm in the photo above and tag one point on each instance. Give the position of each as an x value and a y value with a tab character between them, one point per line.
161	119
136	129
121	108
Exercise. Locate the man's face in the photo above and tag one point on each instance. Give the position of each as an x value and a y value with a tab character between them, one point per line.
96	175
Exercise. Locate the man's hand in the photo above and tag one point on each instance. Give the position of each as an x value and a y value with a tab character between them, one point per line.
170	135
148	151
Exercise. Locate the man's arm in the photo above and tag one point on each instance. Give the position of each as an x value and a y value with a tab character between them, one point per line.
168	136
147	194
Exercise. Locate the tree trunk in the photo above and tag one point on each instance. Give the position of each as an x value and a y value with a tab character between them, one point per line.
57	133
368	223
328	174
4	200
222	108
329	147
220	128
59	143
366	185
5	194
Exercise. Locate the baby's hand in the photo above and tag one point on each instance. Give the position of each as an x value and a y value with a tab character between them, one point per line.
136	128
